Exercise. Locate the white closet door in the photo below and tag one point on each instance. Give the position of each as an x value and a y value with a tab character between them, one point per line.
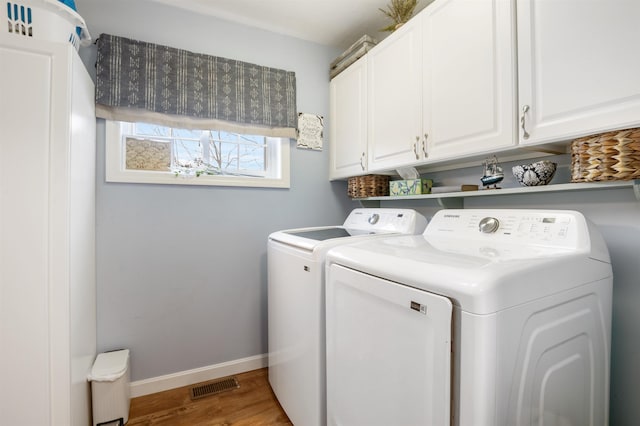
47	234
388	352
25	120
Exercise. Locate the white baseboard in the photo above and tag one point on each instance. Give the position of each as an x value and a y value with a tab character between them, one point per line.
189	377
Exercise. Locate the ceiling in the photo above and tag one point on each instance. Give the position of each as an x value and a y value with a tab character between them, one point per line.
337	23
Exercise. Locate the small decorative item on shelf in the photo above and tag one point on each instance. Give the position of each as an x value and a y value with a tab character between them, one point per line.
607	156
400	11
368	186
410	186
493	173
534	174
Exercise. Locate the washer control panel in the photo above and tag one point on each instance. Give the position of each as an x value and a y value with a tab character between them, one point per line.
404	221
556	228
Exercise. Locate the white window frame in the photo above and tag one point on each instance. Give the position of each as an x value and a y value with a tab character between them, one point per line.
116	171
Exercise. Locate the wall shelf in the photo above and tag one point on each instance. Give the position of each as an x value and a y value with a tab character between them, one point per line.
456	199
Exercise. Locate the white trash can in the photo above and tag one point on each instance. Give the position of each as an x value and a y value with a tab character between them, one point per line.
110	388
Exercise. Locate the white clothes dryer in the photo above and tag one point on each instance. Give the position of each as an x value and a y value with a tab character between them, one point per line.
296	304
490	318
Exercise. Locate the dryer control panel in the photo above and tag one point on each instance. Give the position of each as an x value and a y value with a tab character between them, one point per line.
553	228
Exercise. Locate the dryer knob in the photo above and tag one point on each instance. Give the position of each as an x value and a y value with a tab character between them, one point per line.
488	225
373	219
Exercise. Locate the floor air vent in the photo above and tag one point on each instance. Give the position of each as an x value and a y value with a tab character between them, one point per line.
215	387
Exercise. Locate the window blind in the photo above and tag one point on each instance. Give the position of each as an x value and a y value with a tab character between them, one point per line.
138	81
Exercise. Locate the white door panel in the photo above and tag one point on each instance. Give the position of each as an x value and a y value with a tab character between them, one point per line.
388	352
296	322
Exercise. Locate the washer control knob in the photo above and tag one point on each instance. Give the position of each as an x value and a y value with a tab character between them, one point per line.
488	225
374	218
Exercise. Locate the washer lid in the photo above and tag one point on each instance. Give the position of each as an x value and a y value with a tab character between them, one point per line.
325	236
360	222
322	234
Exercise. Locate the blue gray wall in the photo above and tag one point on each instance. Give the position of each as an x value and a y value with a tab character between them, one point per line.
182	269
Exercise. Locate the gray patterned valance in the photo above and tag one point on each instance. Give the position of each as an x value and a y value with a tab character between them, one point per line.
138	81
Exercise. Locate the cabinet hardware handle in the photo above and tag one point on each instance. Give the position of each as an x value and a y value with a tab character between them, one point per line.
424	145
525	134
415	147
362	161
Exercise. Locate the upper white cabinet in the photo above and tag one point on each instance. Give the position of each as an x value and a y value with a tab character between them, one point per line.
578	73
348	113
395	99
443	85
469	79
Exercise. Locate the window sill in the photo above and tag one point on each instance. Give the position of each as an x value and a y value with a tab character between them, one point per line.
206	180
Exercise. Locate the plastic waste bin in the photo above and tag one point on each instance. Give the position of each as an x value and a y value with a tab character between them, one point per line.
110	388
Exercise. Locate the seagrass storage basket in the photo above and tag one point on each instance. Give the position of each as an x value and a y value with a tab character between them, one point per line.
607	156
368	186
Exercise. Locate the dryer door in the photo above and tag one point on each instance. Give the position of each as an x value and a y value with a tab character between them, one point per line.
388	352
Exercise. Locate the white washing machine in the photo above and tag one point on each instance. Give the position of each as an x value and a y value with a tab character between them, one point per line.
296	304
490	318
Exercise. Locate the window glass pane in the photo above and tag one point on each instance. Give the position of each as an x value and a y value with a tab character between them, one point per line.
187	134
228	156
252	157
252	139
187	153
151	129
224	136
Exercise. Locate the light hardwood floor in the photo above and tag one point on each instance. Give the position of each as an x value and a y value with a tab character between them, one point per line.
253	403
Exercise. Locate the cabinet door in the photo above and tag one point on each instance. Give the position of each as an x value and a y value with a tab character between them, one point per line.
469	76
395	98
27	90
348	113
577	71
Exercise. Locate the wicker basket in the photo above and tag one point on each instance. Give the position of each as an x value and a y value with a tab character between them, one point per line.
607	156
368	186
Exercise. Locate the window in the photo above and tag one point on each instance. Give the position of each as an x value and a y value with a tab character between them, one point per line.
151	153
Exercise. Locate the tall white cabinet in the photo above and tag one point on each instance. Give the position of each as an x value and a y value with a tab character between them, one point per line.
47	234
